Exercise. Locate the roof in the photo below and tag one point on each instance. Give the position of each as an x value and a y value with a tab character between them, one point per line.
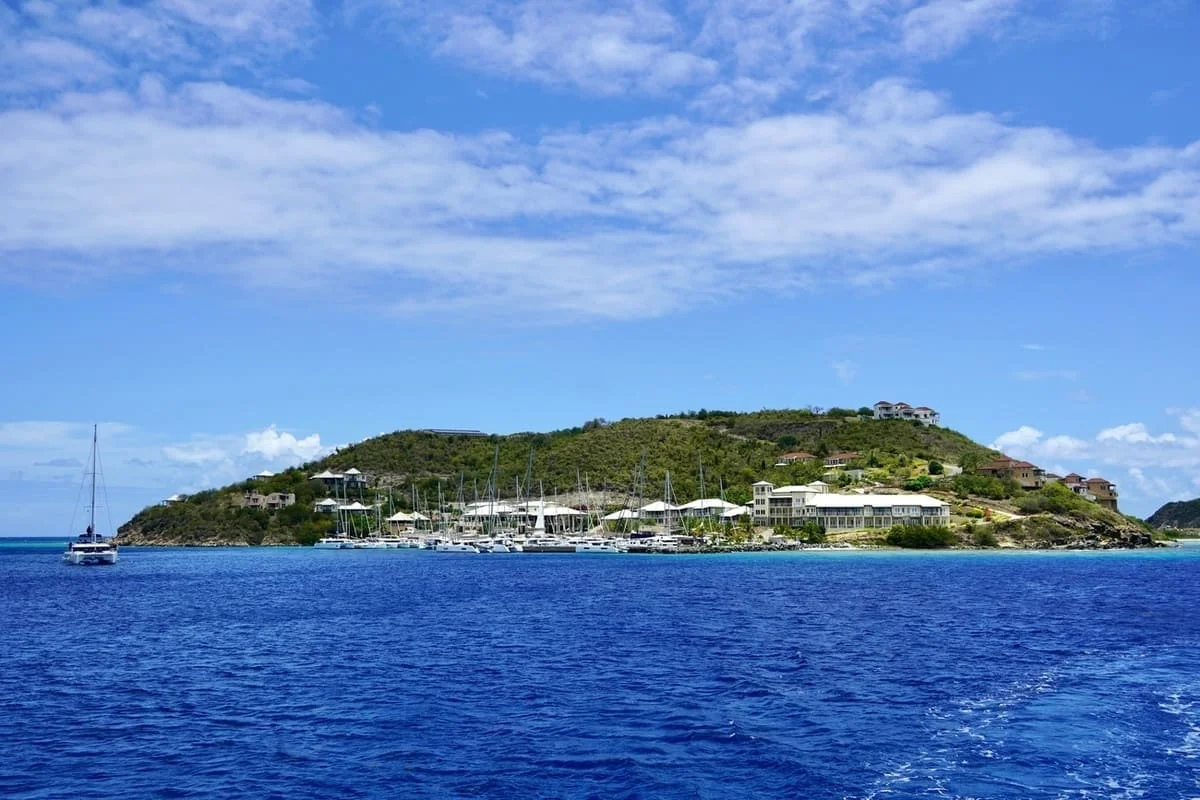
658	506
903	405
798	454
624	513
400	516
488	509
326	475
1098	480
807	488
265	474
883	403
328	501
709	502
849	454
829	500
355	506
762	483
922	408
736	511
352	471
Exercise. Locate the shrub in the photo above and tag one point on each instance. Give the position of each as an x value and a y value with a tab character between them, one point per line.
984	537
921	537
918	483
936	468
973	513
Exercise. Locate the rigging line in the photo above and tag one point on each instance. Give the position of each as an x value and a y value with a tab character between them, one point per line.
78	499
104	487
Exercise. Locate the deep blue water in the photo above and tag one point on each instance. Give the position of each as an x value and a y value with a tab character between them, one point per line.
298	673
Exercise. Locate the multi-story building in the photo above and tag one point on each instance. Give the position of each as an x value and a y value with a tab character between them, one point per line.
270	502
923	414
779	505
1027	476
852	511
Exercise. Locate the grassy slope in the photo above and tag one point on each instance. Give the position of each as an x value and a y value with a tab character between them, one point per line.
737	449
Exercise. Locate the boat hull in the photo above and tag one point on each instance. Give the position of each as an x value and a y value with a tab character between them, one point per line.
102	558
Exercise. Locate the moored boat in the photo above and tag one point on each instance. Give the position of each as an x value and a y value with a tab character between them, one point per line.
90	548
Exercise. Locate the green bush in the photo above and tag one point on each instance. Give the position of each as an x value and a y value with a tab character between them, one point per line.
921	537
936	468
984	537
918	483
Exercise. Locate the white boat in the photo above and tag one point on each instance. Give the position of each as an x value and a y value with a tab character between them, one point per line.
90	548
334	543
598	546
455	547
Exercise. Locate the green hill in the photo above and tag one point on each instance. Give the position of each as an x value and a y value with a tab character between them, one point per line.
1182	515
736	449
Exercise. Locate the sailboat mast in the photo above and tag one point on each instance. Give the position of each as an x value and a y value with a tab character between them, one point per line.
92	511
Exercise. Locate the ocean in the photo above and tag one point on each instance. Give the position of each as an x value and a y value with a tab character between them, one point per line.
299	673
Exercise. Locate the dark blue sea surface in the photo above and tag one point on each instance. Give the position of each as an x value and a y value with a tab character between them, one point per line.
296	673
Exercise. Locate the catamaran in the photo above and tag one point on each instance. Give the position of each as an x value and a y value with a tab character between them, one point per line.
90	548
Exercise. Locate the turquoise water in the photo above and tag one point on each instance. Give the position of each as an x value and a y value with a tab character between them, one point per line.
301	673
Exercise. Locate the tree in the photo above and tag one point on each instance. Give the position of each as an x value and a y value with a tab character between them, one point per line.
936	468
787	441
969	462
866	412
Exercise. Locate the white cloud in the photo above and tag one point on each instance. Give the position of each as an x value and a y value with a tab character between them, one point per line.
845	370
273	445
1022	438
936	28
637	219
1133	433
1034	347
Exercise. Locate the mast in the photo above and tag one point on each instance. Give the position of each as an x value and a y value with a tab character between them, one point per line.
92	508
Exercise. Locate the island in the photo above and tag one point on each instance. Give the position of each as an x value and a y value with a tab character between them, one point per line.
887	475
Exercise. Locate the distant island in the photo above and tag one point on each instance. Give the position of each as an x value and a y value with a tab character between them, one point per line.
1180	518
737	481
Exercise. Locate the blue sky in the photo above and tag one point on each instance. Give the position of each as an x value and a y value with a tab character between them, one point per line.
238	233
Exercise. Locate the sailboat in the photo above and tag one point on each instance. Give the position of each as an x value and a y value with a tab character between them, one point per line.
90	548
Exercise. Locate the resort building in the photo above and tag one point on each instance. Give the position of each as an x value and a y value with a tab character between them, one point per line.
1027	476
1098	490
922	414
262	475
793	458
780	505
351	478
813	502
851	511
326	506
173	499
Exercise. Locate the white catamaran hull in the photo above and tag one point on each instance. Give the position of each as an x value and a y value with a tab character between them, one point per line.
82	558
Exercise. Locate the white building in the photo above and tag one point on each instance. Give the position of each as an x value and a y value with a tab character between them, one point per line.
834	511
923	414
778	505
813	502
706	507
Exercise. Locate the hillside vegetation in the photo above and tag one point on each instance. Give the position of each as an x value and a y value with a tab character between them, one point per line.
736	449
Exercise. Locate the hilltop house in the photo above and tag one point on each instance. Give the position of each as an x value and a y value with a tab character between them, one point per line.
922	414
840	459
792	458
269	502
1098	490
1027	476
173	499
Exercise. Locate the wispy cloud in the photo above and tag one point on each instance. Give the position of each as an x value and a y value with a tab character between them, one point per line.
635	218
846	371
1037	348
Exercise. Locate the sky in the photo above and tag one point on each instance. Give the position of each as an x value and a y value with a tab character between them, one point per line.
239	233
